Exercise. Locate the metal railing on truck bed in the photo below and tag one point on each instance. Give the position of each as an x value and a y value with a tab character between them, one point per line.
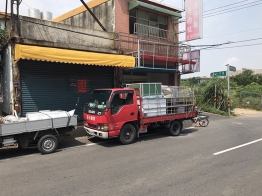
155	99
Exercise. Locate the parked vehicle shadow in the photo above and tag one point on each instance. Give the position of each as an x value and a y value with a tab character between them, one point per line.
152	135
185	132
15	152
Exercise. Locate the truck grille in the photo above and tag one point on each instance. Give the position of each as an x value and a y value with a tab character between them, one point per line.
92	126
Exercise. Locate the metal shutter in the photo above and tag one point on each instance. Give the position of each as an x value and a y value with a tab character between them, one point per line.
54	86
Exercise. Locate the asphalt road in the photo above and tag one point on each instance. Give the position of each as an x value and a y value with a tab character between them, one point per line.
221	159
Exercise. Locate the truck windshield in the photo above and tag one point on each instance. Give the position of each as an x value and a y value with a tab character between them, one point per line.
98	99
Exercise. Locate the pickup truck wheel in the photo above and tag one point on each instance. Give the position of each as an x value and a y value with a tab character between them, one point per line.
127	134
47	144
175	128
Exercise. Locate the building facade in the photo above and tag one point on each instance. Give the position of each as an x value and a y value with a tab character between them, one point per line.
50	65
145	29
53	66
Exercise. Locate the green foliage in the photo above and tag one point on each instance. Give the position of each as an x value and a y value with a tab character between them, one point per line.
211	109
246	92
246	78
206	91
3	35
189	82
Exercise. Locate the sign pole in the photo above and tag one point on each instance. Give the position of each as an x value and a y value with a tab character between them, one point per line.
228	90
215	97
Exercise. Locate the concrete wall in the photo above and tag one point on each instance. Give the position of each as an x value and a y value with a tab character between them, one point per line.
53	34
104	12
7	80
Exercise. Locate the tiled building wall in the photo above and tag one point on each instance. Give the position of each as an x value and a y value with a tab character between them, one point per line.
121	16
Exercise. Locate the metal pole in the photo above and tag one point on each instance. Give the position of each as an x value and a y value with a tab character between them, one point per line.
90	11
138	54
6	4
228	89
215	96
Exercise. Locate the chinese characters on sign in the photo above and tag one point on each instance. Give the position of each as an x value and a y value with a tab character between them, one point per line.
81	86
194	19
93	118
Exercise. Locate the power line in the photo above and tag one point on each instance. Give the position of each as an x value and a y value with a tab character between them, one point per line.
225	6
232	7
233	46
26	4
214	45
230	11
233	33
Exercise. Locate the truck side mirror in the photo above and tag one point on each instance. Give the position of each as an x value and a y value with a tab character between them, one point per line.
108	104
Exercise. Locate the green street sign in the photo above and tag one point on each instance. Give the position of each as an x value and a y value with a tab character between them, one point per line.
232	68
220	73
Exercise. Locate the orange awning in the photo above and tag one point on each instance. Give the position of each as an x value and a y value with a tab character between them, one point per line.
72	56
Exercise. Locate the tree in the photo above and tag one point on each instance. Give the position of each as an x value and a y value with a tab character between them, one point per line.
258	78
245	78
206	91
189	82
3	36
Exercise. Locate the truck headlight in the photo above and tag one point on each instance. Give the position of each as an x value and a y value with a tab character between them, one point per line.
102	127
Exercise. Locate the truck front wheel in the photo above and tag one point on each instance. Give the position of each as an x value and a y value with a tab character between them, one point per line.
175	128
127	134
47	144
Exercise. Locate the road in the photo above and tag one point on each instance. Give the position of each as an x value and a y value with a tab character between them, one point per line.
221	159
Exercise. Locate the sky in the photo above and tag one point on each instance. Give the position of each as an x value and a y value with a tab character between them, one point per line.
234	26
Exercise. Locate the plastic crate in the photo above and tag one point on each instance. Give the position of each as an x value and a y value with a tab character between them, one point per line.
147	89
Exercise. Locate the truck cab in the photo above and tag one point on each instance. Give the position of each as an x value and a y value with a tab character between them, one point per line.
108	111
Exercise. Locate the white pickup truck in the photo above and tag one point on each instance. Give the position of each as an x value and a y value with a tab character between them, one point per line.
42	129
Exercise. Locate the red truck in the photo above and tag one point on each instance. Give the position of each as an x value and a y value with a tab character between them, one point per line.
124	112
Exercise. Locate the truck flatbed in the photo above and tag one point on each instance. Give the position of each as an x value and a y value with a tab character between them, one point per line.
43	133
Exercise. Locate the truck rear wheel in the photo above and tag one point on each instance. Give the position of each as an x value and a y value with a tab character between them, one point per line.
127	134
47	144
175	128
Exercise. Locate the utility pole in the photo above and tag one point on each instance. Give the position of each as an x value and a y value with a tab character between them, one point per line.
228	90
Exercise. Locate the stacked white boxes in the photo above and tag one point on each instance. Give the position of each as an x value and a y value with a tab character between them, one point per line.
154	106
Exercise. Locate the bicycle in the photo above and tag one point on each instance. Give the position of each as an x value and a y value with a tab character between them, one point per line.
202	120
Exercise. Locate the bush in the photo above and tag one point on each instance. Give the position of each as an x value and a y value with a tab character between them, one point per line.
251	103
211	109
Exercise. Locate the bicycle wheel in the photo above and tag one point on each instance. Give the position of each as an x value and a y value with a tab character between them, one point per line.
203	122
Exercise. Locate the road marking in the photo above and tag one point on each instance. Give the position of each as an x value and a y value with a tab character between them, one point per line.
237	123
236	147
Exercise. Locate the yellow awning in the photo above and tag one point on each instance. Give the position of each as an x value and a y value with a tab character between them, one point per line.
72	56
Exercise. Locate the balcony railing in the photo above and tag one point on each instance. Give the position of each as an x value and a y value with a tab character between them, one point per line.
153	32
155	54
128	43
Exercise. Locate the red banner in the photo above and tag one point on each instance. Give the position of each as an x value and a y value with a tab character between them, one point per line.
194	19
81	86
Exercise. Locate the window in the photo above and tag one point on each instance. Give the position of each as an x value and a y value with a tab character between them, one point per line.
153	17
148	19
120	99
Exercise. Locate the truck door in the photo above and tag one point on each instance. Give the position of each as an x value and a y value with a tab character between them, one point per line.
123	107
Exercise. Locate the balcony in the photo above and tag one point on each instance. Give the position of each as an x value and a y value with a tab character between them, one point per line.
153	32
151	53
